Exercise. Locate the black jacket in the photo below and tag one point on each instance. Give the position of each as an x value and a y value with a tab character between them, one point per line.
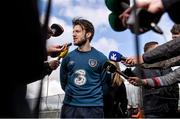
23	55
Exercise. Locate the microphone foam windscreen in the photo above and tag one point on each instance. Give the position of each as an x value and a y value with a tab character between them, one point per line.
115	22
57	29
116	6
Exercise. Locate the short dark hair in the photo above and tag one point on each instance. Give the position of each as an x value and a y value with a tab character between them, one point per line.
175	29
85	24
149	45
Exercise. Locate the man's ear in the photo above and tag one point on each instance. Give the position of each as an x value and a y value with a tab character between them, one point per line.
88	35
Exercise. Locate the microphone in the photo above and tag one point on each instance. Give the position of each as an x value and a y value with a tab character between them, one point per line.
117	5
112	68
146	21
116	57
60	54
57	30
115	22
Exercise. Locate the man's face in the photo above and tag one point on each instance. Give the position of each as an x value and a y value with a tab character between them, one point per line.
79	35
175	35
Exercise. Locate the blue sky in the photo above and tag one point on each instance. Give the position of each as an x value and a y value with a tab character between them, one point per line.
105	38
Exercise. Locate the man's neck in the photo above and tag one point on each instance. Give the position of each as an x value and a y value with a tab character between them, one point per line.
84	48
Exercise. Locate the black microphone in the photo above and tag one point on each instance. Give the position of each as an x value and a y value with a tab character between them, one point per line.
112	68
115	23
117	6
147	21
57	30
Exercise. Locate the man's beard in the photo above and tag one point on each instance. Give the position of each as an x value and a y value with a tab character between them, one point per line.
81	42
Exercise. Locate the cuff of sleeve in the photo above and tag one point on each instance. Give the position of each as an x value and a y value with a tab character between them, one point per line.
154	82
47	69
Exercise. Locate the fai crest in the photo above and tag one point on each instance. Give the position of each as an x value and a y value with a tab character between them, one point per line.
92	62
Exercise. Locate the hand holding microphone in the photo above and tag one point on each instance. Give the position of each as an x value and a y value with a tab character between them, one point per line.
64	52
123	17
127	61
136	81
133	61
55	50
117	57
146	21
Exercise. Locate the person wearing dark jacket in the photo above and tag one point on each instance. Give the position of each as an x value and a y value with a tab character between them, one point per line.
168	51
157	102
22	57
165	51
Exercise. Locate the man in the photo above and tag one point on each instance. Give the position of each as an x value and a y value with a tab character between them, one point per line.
175	31
81	75
157	102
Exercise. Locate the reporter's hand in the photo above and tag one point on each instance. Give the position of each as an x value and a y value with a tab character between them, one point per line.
54	64
132	61
137	81
153	6
54	50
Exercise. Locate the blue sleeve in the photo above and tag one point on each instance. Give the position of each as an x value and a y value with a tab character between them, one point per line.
63	73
